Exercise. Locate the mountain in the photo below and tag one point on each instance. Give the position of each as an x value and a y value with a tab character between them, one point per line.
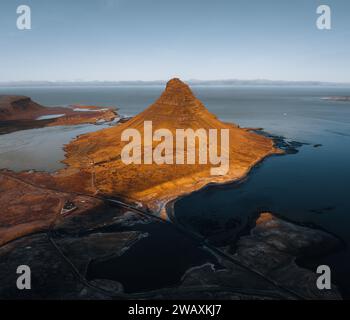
95	158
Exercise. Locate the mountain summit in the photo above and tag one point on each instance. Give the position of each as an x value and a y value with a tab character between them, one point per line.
176	93
177	108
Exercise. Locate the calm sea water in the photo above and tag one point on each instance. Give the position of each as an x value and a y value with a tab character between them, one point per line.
310	186
39	149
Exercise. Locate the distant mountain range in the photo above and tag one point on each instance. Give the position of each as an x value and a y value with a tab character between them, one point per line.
192	82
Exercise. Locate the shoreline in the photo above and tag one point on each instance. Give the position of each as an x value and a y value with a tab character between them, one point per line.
10	126
169	204
158	207
171	201
304	262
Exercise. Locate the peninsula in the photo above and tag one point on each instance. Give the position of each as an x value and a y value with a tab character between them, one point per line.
98	154
94	166
21	112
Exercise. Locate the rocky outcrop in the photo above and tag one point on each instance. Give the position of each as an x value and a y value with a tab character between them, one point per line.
273	247
18	108
263	266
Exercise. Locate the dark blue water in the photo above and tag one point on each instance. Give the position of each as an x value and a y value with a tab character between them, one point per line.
310	186
160	260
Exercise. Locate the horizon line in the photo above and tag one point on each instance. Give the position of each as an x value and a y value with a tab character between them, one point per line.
162	82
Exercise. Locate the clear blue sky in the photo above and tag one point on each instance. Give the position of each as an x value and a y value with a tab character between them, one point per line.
159	39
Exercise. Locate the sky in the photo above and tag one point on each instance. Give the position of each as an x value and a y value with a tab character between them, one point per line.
87	40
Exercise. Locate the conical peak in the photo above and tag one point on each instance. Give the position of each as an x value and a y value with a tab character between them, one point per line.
176	86
176	93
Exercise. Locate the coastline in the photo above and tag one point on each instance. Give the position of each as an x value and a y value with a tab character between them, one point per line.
94	167
282	149
169	202
46	182
157	204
